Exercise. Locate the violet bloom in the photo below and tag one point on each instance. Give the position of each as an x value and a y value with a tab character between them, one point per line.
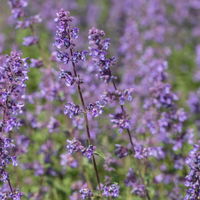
13	76
18	13
6	157
193	102
98	50
18	7
85	193
134	183
16	195
163	96
111	190
68	160
142	152
121	151
30	40
72	110
74	146
53	125
36	63
111	163
118	96
62	40
68	77
120	120
28	22
95	109
89	151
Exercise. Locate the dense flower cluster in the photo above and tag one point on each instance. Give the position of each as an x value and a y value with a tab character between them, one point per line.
193	179
13	79
6	147
13	76
98	50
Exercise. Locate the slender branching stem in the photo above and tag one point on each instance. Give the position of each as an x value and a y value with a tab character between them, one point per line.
130	138
86	120
10	185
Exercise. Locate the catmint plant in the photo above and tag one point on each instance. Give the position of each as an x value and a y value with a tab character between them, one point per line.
67	54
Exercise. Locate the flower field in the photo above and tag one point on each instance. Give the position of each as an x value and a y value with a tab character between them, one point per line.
99	100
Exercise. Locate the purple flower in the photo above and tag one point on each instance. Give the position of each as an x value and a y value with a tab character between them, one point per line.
17	7
193	179
38	169
95	109
74	146
110	163
63	21
68	160
120	120
89	151
28	22
140	152
163	96
53	125
36	63
111	190
13	77
121	151
16	195
72	110
133	181
4	176
85	193
6	157
119	96
98	51
193	102
74	33
30	40
62	57
68	77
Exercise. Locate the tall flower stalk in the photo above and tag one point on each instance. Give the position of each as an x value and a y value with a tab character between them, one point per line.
13	76
66	54
98	47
